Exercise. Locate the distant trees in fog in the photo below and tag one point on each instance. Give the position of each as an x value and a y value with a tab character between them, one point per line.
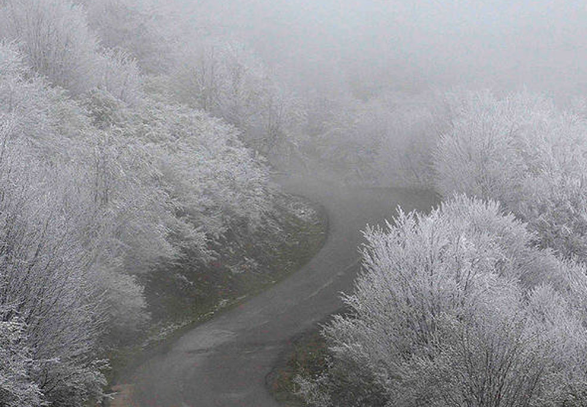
385	141
122	24
226	79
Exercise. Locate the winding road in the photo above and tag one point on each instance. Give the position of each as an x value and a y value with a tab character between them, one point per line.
224	362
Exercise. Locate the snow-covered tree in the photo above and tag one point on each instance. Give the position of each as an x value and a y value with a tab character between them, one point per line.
119	75
227	80
125	25
54	37
458	308
17	388
45	276
99	184
57	43
525	153
212	180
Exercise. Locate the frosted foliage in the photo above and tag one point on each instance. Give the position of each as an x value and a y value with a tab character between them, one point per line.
65	241
127	208
386	141
210	178
99	184
123	24
206	169
120	76
10	61
125	302
56	42
525	153
227	80
492	144
16	386
457	308
54	37
44	274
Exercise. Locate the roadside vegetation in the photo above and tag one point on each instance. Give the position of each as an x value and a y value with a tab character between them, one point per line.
482	301
188	291
137	153
108	182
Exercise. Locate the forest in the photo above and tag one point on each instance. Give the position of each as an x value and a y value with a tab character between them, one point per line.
139	136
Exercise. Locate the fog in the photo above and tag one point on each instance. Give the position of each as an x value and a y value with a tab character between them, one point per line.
409	44
162	161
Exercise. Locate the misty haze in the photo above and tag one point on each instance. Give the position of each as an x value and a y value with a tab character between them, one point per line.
262	203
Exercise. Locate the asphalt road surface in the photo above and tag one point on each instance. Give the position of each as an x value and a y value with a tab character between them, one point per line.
224	362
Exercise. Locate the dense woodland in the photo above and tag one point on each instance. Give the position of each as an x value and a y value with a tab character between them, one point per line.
482	301
105	173
124	143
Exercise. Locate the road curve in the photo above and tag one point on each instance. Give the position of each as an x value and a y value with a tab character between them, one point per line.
224	362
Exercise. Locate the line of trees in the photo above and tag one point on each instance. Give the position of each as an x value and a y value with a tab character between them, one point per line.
122	144
482	301
103	175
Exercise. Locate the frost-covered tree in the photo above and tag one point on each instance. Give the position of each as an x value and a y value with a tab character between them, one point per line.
99	184
211	179
124	24
46	280
525	153
119	75
117	211
56	42
227	80
17	388
457	308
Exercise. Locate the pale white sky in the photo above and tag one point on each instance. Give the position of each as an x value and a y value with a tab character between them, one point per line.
540	42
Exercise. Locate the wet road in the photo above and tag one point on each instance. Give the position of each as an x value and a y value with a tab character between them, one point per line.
224	362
